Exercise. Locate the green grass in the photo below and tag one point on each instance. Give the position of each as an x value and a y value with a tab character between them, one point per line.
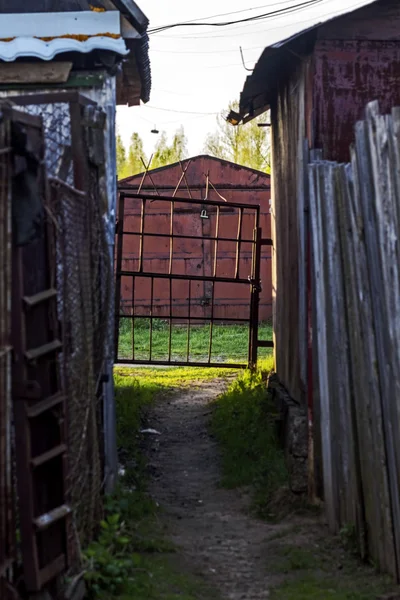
229	342
243	423
156	573
316	566
312	586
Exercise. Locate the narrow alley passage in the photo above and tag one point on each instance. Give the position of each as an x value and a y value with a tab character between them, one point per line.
210	524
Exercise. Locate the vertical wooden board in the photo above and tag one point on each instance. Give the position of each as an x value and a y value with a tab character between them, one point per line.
315	192
367	386
333	293
288	132
384	202
302	161
350	266
364	165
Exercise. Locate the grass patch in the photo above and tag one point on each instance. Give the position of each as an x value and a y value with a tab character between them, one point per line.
243	423
322	587
229	342
165	378
317	566
132	558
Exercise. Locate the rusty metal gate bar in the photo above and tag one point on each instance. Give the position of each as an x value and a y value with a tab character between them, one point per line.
252	280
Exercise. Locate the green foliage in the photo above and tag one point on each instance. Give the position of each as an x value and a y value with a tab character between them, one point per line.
130	163
247	145
121	159
166	154
109	564
243	423
136	154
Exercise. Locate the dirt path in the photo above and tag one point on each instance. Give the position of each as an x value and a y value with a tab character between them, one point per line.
219	541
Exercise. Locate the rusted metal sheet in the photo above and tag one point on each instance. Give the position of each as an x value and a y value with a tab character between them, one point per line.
237	185
348	74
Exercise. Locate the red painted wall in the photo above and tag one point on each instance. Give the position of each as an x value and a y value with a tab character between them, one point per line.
191	257
348	75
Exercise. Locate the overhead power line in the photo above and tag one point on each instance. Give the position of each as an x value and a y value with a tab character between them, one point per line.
205	35
234	50
279	12
186	112
235	12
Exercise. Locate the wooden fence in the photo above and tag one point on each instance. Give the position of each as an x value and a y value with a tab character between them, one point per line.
355	223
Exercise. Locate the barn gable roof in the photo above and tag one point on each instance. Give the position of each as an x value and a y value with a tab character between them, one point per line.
275	61
202	163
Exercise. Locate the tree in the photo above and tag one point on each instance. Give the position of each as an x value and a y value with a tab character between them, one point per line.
131	164
136	154
166	154
247	145
121	158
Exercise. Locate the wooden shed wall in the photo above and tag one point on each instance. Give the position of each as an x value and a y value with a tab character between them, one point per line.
291	117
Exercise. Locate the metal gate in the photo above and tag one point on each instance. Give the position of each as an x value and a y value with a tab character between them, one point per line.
176	258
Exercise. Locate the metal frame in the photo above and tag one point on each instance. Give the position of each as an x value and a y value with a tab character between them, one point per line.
253	279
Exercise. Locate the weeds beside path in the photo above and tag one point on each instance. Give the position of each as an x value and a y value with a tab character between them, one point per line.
192	538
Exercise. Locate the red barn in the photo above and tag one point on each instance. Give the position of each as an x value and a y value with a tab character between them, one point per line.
226	180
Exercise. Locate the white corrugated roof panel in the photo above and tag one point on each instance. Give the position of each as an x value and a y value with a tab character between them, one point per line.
47	50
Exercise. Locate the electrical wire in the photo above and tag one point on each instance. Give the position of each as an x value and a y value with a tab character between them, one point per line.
206	52
185	112
207	35
279	12
235	12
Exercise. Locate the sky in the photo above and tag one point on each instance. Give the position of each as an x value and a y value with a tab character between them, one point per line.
197	71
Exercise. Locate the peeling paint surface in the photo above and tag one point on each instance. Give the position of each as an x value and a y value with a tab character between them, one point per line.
348	75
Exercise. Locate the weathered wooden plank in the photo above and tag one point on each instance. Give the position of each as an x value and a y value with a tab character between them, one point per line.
315	192
369	175
302	217
366	384
385	202
40	72
337	341
350	266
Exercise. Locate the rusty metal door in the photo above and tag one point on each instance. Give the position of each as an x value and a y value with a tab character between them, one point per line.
170	292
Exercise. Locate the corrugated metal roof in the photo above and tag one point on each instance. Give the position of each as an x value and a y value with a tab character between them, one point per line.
259	86
126	7
30	46
34	6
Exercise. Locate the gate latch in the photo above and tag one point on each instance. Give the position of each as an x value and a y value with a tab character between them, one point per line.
256	284
203	214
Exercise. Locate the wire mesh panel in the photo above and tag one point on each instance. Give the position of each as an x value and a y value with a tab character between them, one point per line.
187	281
57	126
7	523
84	266
74	131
